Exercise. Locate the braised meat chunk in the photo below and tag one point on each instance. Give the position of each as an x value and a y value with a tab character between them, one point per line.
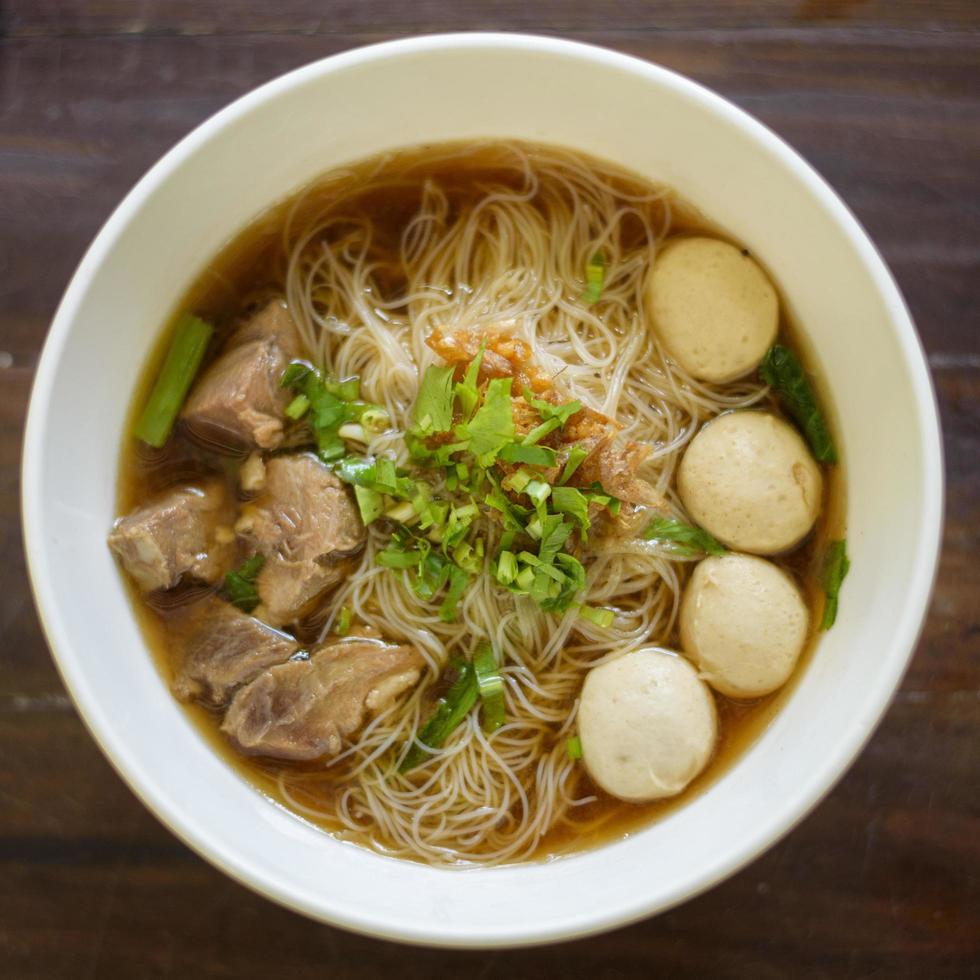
304	709
222	649
238	402
183	531
308	527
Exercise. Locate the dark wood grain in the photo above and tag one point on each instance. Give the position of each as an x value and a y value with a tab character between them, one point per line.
883	879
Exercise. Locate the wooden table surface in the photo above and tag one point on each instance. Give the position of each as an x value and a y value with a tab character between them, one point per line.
883	97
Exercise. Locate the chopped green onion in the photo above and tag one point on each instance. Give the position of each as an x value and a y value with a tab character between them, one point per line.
458	581
554	533
403	512
595	277
240	584
684	539
506	567
490	684
190	341
397	559
353	432
370	503
348	390
375	420
538	491
601	617
298	407
296	372
343	623
330	448
450	711
573	748
517	480
835	569
782	371
576	456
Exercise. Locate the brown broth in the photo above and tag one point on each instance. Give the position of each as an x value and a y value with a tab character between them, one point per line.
250	265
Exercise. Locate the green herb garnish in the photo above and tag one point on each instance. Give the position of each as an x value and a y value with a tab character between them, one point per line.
298	407
781	370
433	410
342	624
327	405
603	618
184	356
684	539
490	684
574	503
595	277
553	416
515	452
835	568
240	584
576	456
466	390
450	711
492	426
573	748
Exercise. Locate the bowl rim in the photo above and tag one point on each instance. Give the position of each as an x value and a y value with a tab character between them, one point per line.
173	814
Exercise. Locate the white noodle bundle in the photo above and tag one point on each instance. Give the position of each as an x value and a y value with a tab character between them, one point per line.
502	239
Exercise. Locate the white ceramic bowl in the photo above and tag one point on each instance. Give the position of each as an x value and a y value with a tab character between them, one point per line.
339	110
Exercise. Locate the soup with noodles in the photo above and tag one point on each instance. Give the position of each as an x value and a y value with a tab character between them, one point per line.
478	503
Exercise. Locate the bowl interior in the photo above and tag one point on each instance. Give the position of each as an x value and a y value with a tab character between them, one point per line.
406	93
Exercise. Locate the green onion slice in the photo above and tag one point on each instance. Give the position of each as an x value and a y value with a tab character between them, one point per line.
573	748
450	711
601	617
595	277
180	366
298	407
343	622
370	503
490	684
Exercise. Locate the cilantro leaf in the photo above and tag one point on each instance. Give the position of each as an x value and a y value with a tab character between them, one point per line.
554	533
554	416
548	411
684	539
433	409
515	452
240	584
492	427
